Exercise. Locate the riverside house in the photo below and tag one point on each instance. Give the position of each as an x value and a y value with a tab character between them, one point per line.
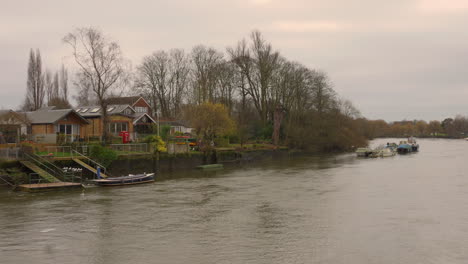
144	115
121	118
46	124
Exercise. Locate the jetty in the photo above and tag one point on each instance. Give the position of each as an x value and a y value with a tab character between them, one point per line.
51	177
40	187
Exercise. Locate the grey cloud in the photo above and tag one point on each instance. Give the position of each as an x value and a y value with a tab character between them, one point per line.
393	59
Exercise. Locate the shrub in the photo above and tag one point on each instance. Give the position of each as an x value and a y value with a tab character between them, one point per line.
103	155
221	142
165	131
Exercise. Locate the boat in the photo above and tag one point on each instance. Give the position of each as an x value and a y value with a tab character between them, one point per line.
125	180
364	152
392	146
408	146
404	148
383	152
414	145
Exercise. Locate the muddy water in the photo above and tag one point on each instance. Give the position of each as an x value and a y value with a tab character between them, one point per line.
330	209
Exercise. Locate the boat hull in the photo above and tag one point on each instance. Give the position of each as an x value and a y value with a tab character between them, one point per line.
125	180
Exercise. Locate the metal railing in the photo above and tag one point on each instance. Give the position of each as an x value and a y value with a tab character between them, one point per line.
35	180
50	168
59	151
95	164
10	153
7	180
139	147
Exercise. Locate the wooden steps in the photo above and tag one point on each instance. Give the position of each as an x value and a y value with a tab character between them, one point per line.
45	175
86	166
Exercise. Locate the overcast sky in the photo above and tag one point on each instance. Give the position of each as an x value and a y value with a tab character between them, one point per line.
400	59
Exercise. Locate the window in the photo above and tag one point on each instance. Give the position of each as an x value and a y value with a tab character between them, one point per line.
84	110
78	110
117	127
128	111
95	110
140	109
65	129
110	109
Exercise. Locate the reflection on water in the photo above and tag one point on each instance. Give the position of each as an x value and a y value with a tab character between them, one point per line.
329	209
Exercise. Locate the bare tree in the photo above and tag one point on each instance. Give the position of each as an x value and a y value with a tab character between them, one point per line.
63	77
179	79
153	76
163	77
35	92
101	64
258	64
49	85
206	62
83	86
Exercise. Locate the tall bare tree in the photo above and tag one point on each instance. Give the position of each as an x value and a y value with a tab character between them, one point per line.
35	91
101	64
163	77
258	64
63	77
206	62
49	85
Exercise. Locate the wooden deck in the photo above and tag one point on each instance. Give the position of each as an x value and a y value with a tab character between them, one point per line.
39	187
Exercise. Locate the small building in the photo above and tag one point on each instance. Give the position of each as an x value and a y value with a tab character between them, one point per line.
53	126
177	126
13	126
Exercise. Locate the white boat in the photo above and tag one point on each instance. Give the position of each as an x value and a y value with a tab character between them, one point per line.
363	152
383	152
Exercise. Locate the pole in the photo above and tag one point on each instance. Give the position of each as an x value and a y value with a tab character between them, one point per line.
157	121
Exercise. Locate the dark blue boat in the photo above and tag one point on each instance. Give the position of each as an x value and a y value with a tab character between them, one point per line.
126	180
408	146
404	148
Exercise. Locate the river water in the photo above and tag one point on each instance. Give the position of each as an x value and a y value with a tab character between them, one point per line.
333	209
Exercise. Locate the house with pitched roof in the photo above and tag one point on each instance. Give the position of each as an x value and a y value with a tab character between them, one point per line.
47	124
122	117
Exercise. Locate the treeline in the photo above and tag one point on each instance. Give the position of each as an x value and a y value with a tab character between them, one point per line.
449	128
268	97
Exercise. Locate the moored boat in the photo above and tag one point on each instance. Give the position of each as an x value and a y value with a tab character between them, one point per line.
125	180
383	152
408	146
363	152
414	145
404	148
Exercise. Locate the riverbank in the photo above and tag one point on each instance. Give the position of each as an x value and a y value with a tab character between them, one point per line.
144	162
